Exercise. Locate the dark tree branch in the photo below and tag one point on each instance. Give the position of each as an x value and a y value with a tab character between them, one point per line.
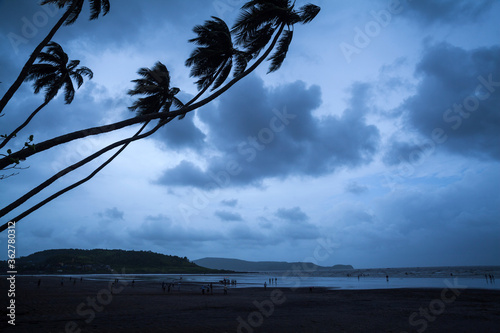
75	166
136	136
14	133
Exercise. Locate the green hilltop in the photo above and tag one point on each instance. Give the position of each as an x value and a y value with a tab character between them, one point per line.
100	261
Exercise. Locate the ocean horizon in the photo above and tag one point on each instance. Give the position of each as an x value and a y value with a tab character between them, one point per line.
460	277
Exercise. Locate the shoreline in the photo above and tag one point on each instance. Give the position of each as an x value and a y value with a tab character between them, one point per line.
99	306
249	280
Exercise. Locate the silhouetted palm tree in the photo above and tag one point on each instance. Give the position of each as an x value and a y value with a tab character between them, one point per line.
155	84
212	61
53	72
260	20
74	7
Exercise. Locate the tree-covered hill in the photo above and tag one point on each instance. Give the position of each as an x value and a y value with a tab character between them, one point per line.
75	261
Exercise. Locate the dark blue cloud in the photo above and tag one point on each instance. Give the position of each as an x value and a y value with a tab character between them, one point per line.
294	214
455	107
182	134
230	203
184	173
271	133
355	188
447	11
228	216
112	214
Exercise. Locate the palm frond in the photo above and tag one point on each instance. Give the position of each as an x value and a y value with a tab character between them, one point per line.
75	12
146	105
77	77
44	81
51	90
280	54
177	103
308	13
54	71
241	62
154	84
72	65
224	73
255	43
69	91
96	6
85	71
39	70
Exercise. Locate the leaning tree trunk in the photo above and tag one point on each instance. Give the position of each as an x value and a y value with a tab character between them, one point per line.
17	130
24	72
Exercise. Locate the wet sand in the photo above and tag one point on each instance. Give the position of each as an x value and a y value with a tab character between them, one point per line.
89	306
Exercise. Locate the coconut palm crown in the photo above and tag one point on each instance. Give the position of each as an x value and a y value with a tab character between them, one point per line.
55	71
212	61
155	85
259	21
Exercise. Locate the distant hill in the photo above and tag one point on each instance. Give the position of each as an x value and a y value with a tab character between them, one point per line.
74	261
261	266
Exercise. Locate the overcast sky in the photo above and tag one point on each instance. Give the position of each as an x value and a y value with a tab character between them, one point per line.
377	144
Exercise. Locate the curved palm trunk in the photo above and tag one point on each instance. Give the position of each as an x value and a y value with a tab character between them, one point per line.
75	166
17	130
24	72
136	136
124	142
23	154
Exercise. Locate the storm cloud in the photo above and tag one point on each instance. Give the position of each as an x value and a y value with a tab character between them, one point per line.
272	133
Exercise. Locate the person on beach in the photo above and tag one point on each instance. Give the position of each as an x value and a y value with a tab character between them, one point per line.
387	278
265	285
39	281
225	290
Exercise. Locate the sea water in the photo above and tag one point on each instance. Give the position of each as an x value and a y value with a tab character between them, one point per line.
480	277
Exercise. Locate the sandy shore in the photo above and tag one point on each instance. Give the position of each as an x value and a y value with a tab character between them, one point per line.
96	306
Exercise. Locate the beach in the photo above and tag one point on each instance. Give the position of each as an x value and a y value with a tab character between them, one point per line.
64	305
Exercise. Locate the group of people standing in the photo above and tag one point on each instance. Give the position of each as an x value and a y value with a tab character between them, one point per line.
271	281
210	289
490	277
